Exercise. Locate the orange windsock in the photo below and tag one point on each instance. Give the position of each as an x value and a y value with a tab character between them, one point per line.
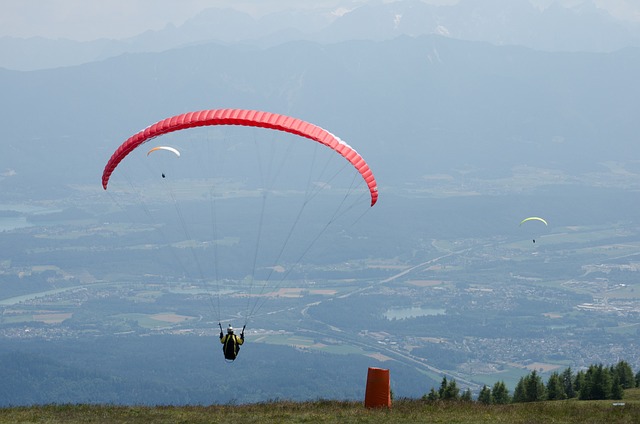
378	393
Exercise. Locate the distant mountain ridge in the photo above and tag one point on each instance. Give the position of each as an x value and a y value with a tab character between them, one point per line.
500	22
411	106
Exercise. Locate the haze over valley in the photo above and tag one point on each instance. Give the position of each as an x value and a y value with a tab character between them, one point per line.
115	295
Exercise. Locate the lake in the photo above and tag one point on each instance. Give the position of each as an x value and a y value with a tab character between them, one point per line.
413	312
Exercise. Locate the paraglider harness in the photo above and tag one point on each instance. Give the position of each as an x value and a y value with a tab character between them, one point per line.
230	348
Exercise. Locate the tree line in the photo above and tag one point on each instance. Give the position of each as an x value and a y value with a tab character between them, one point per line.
594	383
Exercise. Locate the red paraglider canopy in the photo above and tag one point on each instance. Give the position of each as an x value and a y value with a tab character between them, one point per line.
252	118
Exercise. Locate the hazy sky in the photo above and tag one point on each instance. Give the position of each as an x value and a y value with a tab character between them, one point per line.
90	19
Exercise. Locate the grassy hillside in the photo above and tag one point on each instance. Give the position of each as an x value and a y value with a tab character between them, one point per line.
403	411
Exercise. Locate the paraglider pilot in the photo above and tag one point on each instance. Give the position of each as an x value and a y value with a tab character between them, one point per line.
231	342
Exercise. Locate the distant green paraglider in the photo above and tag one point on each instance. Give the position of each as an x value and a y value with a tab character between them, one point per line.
534	218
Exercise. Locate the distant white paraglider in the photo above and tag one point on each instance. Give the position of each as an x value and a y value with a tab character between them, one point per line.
170	149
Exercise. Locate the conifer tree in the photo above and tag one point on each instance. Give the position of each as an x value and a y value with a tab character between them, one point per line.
519	393
555	388
530	388
534	387
432	396
617	391
625	374
443	387
597	383
580	382
500	393
452	392
485	395
448	391
568	383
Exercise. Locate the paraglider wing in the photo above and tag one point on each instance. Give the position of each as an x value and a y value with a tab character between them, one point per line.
244	117
167	148
534	218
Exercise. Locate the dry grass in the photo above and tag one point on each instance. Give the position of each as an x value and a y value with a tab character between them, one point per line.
321	411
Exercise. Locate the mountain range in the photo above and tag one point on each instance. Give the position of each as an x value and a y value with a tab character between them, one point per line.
413	106
583	27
